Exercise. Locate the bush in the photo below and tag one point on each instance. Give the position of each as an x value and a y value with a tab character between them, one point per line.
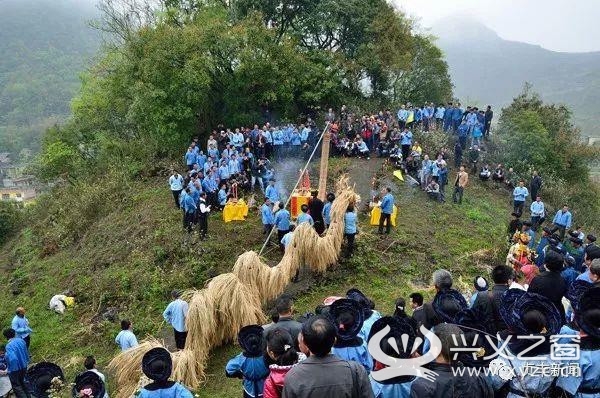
10	220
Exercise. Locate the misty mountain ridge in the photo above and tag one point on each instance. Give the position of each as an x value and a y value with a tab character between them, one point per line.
487	69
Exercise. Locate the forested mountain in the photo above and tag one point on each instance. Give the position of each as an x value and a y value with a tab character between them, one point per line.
488	69
44	45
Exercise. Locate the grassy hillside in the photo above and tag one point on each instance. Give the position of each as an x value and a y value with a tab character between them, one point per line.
118	245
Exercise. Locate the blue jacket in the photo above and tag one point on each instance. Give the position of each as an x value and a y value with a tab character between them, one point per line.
17	355
327	213
520	193
406	138
457	114
277	137
188	204
569	275
253	371
222	196
391	390
387	204
175	314
175	391
463	130
272	194
21	326
563	218
267	215
589	363
540	254
358	354
350	219
190	158
126	340
282	220
304	217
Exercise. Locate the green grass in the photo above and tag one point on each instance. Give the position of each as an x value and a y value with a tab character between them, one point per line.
128	254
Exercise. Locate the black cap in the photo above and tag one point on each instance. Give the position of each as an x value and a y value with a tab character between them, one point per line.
354	309
89	380
40	377
591	238
157	364
251	340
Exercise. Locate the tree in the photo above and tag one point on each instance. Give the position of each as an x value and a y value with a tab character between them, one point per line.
10	220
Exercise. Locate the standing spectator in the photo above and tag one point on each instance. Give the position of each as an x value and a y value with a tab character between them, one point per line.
176	184
443	180
550	283
190	158
20	325
458	154
250	364
322	371
282	221
175	314
304	216
387	208
406	142
17	359
203	210
519	195
157	365
348	316
126	338
535	185
327	209
350	229
489	115
538	212
315	207
285	309
268	219
462	179
416	303
488	303
189	208
562	220
271	192
280	349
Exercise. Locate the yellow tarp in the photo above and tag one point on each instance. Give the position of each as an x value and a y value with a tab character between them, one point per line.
398	175
376	213
235	211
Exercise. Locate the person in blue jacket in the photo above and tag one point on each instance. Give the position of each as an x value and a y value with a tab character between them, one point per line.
282	221
266	213
463	133
348	317
17	359
540	250
20	324
387	208
271	192
457	115
399	386
350	228
190	158
304	216
189	208
448	112
587	316
370	315
327	209
250	365
157	365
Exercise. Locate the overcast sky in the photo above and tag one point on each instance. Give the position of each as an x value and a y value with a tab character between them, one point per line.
558	25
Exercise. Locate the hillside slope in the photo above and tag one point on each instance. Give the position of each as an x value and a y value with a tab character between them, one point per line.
487	69
45	45
120	247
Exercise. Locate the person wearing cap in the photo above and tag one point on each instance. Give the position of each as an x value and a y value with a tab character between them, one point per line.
323	374
126	338
17	359
562	220
550	283
175	314
157	365
587	316
347	315
447	383
250	365
400	330
20	324
370	315
526	314
481	285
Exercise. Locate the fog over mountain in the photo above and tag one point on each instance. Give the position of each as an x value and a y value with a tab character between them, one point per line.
487	69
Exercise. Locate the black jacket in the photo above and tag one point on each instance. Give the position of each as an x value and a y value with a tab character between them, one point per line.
488	304
446	385
552	286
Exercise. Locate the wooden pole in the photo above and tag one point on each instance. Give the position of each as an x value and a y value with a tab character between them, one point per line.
323	168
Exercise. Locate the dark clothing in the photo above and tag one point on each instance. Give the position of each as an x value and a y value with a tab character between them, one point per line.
176	197
458	155
27	340
552	286
18	383
180	338
327	377
350	248
446	385
458	194
290	325
534	186
315	207
188	220
488	304
202	224
387	220
419	316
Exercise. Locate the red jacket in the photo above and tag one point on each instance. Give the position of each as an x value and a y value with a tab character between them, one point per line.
274	382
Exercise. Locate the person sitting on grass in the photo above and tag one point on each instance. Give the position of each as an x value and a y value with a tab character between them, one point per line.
433	189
